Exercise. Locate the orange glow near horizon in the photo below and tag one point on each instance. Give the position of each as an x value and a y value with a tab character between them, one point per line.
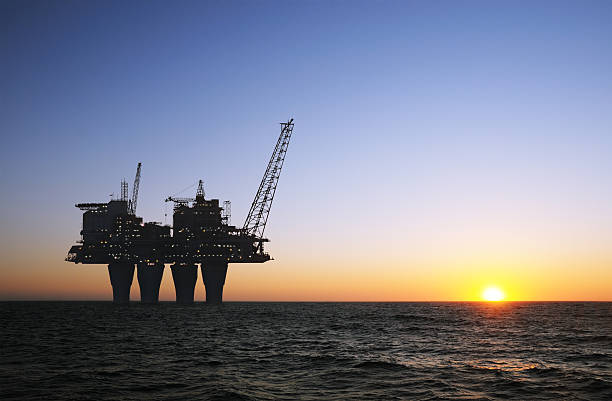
295	278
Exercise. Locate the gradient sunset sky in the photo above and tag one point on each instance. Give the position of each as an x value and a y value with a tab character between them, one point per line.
439	146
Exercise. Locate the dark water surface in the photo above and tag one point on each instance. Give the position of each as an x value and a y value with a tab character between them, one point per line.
322	351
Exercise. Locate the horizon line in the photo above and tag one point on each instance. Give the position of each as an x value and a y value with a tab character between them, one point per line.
306	301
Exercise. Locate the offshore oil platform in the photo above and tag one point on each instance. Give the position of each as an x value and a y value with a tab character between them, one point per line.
200	234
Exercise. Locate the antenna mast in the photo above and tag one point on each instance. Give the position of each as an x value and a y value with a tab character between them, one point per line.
124	190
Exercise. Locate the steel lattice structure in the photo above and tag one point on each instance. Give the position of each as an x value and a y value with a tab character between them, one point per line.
134	202
256	220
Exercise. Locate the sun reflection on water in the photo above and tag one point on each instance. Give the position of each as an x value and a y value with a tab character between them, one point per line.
505	365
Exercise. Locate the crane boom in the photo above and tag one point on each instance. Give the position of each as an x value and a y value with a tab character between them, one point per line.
256	220
179	200
135	190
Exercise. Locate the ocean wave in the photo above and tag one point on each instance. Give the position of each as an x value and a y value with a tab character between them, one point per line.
414	318
383	365
265	351
228	396
588	357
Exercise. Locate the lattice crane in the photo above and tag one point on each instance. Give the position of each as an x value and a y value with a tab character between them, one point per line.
256	220
134	200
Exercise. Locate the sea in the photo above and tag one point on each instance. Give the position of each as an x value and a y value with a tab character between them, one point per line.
306	351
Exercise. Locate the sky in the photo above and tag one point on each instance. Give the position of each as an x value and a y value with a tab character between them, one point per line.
439	147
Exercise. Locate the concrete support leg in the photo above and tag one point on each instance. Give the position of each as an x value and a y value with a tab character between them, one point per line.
121	276
149	279
213	275
185	277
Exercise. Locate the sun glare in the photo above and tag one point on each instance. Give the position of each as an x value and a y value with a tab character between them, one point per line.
493	294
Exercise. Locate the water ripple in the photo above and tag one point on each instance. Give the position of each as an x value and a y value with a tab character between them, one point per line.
309	351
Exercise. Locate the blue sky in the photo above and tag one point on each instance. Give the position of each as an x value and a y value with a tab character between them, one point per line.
443	124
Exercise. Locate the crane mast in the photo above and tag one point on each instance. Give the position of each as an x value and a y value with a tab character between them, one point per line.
135	190
256	220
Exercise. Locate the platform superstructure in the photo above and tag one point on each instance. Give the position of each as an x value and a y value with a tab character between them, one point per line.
201	234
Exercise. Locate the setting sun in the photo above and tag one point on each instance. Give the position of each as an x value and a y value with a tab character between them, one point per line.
493	294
